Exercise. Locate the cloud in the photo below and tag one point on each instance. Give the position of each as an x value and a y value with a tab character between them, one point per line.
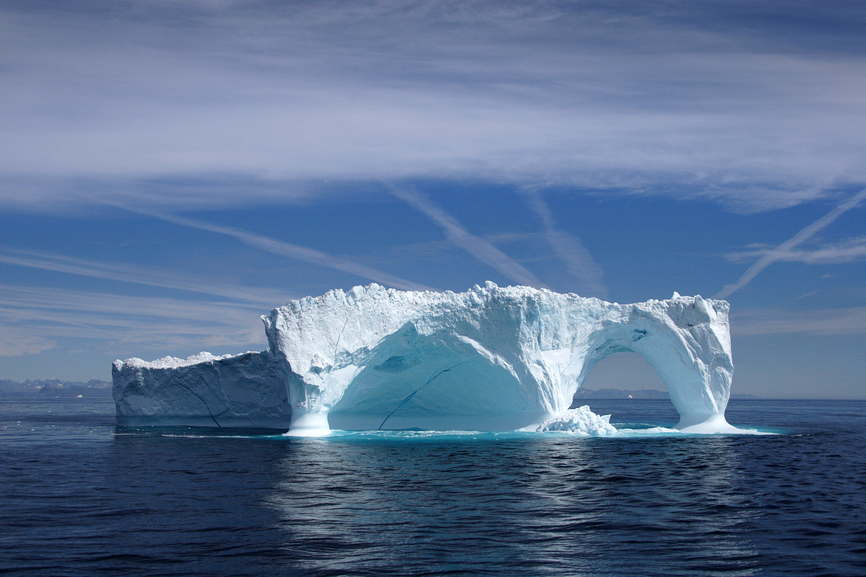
578	261
147	322
139	274
842	321
459	236
780	252
293	251
741	104
849	251
15	343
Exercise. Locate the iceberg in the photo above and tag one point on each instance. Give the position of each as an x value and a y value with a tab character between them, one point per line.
491	359
233	391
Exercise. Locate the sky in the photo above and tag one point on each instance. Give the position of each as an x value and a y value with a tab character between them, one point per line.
170	171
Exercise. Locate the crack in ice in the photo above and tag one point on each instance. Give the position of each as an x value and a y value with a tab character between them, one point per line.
407	399
206	406
339	336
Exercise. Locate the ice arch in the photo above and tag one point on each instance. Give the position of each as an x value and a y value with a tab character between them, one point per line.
691	360
491	358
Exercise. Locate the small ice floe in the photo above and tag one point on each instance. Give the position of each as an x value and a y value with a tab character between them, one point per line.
580	420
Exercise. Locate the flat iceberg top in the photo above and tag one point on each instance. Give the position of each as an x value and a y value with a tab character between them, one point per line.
386	301
174	362
420	300
316	330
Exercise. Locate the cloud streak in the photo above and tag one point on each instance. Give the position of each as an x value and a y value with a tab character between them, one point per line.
289	250
783	250
850	251
41	316
577	259
459	236
842	321
139	274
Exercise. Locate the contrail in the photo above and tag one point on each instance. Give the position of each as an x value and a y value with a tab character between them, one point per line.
294	251
476	246
779	252
133	274
569	249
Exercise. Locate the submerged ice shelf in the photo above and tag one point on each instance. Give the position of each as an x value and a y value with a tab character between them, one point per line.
491	358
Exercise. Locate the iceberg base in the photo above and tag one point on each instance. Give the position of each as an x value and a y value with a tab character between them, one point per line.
309	425
712	425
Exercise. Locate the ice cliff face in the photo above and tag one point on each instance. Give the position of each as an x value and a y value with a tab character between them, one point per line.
246	390
488	359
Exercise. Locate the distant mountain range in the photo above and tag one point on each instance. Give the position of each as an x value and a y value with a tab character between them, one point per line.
638	394
54	388
620	394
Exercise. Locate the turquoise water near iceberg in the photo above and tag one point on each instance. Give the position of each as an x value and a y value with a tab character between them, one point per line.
81	496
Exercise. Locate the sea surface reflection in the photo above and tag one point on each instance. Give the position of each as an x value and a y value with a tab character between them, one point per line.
83	497
535	504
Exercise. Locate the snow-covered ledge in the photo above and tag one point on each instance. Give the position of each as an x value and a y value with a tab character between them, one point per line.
488	359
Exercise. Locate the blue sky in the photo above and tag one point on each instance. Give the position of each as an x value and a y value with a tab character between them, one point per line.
169	171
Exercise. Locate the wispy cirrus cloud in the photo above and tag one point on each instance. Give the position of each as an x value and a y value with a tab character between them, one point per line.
741	103
577	259
15	342
826	322
139	274
40	316
289	250
848	251
782	251
35	319
478	247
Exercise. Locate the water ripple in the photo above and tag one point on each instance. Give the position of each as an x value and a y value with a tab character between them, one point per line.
83	498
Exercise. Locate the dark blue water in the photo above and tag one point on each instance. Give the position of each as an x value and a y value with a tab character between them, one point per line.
82	497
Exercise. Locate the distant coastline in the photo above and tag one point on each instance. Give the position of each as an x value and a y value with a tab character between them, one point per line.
645	394
55	388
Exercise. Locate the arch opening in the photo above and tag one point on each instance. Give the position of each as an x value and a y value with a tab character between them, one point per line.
624	372
692	381
626	376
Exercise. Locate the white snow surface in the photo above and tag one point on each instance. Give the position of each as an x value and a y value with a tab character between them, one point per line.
175	362
489	359
580	420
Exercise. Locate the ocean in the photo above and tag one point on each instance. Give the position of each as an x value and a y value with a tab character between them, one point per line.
81	496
